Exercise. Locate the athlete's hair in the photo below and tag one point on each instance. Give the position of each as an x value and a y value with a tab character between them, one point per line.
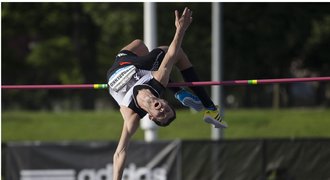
169	119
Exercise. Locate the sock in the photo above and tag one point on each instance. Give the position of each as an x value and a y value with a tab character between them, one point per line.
190	75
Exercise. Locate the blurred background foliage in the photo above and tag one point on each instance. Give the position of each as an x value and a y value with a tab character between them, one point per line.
64	43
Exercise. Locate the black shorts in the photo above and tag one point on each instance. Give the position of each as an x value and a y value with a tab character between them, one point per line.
149	62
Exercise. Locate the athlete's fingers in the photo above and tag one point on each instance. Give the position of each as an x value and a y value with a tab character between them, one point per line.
176	15
187	14
184	11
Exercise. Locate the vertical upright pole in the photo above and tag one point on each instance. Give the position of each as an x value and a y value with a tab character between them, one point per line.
150	39
150	24
216	134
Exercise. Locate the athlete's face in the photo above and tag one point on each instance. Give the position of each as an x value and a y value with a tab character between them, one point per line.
159	110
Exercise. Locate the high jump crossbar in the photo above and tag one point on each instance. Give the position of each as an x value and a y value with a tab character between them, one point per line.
177	84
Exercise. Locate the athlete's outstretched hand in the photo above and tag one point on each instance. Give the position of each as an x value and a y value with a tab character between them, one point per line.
183	22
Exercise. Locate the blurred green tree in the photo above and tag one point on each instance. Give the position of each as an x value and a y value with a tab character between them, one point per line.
44	43
262	40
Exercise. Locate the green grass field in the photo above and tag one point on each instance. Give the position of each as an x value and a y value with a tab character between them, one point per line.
106	125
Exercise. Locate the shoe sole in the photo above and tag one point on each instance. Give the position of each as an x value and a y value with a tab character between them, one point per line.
216	124
197	106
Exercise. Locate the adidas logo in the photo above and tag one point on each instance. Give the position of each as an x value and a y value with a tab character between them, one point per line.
121	54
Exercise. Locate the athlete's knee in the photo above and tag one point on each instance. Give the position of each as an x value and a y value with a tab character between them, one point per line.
138	43
141	49
137	47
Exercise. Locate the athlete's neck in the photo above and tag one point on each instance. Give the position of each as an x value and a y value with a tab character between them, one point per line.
144	98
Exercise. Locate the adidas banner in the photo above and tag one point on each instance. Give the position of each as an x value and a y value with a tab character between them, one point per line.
89	161
288	159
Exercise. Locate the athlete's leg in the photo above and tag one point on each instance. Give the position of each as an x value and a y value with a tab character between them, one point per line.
212	113
189	75
137	47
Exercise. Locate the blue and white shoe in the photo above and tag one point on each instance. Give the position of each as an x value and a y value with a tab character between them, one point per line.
189	100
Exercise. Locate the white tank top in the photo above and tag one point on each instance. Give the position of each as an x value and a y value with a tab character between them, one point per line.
125	96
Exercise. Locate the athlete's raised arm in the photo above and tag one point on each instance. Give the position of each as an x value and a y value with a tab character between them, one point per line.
181	23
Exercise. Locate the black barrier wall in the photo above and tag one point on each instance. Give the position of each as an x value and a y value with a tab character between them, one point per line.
271	159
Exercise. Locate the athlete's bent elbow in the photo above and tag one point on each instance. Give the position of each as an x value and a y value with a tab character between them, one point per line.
115	156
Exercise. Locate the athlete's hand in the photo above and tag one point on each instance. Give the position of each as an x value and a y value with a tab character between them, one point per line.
183	22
